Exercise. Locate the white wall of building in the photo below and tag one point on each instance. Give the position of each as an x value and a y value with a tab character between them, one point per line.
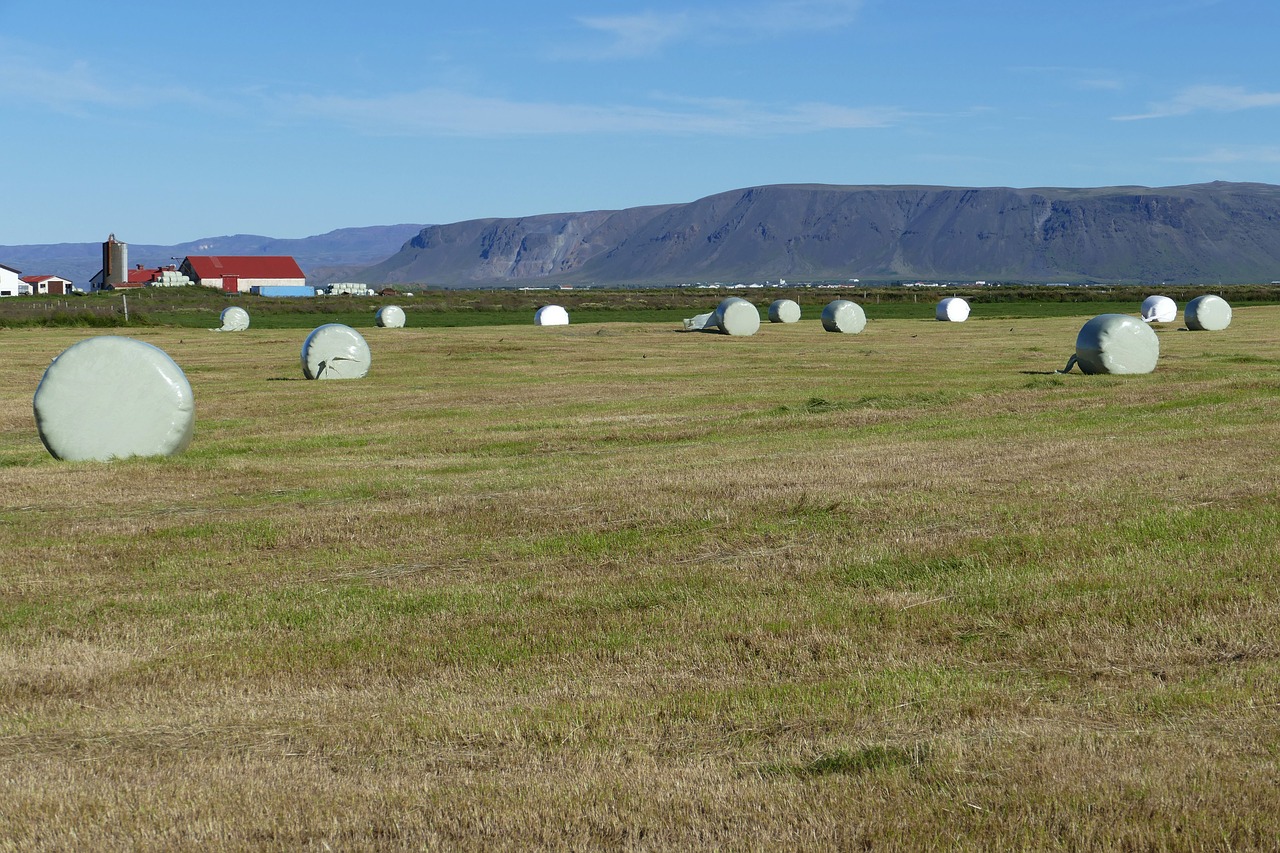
43	287
11	283
245	283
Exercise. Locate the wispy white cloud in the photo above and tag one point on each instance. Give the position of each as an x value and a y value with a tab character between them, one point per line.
29	77
1234	154
437	112
1220	99
1108	84
789	16
632	36
647	33
85	90
1074	76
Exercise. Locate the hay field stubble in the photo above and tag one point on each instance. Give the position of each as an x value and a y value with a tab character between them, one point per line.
615	585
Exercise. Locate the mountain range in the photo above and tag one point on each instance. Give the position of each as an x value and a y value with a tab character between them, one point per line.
1219	232
335	256
1227	232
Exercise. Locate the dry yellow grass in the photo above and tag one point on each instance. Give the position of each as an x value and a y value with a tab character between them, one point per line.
614	585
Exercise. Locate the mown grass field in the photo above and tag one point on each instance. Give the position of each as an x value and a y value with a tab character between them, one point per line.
200	308
613	585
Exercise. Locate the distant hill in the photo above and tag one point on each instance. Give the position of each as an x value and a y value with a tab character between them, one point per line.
1217	232
1227	232
324	258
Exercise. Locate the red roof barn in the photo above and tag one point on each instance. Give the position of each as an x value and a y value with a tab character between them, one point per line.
238	273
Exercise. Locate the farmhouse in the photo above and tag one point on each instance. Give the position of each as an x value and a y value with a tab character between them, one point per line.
52	285
11	283
240	273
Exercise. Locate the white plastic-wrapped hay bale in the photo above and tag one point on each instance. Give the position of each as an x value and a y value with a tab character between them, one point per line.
112	397
700	323
335	351
551	315
953	309
733	316
390	317
784	311
736	316
841	315
1115	343
234	319
1159	309
1208	313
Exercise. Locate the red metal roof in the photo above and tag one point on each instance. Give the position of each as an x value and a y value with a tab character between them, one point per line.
36	279
245	266
137	278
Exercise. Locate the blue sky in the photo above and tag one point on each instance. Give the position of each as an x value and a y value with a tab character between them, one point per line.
164	122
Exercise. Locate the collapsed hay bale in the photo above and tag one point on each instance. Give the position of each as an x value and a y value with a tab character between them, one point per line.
841	315
335	351
234	319
1159	309
112	397
1207	313
953	309
784	311
700	323
1115	343
733	316
390	317
551	315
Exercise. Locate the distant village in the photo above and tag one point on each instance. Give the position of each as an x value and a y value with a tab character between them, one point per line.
261	275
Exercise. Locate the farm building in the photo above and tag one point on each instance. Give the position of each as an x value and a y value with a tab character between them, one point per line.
240	273
115	265
11	283
53	285
282	290
141	276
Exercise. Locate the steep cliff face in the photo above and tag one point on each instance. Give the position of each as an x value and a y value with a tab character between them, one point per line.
1220	231
497	250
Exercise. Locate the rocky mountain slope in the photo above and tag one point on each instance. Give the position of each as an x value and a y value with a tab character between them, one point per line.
1218	232
1227	232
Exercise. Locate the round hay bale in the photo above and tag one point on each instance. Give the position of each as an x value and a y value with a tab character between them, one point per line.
1208	313
784	311
1159	309
551	315
844	316
390	317
112	397
234	319
953	309
737	316
335	351
1117	343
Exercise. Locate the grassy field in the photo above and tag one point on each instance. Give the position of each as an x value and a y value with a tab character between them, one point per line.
200	308
612	585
